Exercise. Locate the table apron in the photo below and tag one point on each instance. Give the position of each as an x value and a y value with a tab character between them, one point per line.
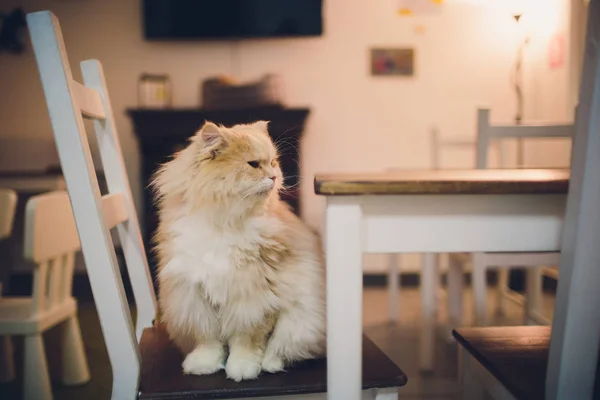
460	223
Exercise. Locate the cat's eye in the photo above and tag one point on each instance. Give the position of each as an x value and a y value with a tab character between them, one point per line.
274	163
254	164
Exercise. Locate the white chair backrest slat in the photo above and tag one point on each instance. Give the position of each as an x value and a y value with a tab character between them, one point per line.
51	242
67	278
8	206
50	229
82	184
488	134
55	289
40	283
117	181
114	209
88	101
531	131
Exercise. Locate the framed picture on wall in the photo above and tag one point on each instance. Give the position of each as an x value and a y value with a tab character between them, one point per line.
392	62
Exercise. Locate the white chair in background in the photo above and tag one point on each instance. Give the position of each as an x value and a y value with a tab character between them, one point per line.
8	206
536	263
51	242
145	363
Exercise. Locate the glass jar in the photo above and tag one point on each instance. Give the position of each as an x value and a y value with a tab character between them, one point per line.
154	91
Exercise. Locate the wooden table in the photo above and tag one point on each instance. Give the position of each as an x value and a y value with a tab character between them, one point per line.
424	212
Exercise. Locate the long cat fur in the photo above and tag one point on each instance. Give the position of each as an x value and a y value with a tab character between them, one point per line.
239	273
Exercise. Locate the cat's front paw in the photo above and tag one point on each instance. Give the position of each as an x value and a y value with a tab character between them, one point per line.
241	367
204	360
272	363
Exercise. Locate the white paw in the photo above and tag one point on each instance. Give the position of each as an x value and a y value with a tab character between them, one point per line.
204	360
272	363
240	367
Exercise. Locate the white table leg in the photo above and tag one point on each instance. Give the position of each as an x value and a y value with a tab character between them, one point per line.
393	287
344	299
429	286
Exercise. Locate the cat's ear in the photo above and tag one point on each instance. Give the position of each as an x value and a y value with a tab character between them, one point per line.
210	135
262	126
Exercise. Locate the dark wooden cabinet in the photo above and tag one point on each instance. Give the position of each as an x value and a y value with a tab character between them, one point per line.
162	132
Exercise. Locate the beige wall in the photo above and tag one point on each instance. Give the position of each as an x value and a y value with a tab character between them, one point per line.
358	122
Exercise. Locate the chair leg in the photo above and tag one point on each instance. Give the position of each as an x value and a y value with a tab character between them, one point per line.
479	289
501	302
75	369
7	365
36	379
429	286
386	394
455	294
533	295
393	287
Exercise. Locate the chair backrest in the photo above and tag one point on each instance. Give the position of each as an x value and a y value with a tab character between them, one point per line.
8	206
488	134
68	102
51	242
575	339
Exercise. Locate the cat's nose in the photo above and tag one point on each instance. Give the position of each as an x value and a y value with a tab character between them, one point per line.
273	178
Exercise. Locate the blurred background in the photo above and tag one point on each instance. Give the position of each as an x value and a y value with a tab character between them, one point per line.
348	85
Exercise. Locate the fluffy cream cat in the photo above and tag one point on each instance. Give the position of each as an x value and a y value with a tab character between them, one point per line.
238	271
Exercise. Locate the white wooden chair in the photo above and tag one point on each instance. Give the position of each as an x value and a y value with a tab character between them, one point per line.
8	206
560	362
50	243
145	363
492	137
536	263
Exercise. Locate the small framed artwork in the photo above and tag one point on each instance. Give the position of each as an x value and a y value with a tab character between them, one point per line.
392	62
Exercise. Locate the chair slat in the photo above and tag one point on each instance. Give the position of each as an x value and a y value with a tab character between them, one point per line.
88	100
68	268
55	273
114	209
40	281
42	215
532	131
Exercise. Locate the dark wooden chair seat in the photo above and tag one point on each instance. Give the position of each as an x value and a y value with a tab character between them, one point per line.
162	377
515	355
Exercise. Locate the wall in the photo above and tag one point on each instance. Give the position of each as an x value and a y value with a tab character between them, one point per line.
357	122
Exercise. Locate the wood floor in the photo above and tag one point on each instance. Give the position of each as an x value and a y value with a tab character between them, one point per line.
399	341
